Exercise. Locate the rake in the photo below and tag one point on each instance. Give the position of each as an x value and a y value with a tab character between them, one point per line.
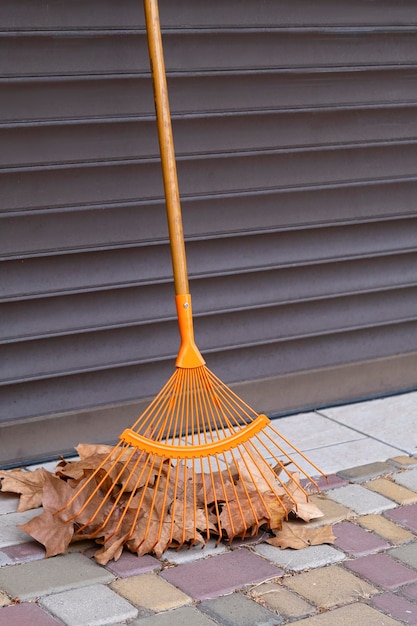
198	458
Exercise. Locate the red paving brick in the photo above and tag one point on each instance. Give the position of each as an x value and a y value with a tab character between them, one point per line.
357	541
131	565
22	552
26	614
220	575
330	482
405	516
382	570
396	607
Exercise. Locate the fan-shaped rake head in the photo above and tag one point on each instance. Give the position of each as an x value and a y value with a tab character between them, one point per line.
199	462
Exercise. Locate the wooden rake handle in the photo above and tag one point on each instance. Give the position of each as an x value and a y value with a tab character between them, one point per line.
189	355
166	146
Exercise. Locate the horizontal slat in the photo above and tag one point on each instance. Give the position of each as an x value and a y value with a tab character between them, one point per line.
70	185
118	224
133	266
134	138
73	354
131	306
129	13
104	96
132	383
95	52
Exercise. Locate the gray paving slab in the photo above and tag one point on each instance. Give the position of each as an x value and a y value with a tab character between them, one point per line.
360	473
361	500
298	560
95	605
9	532
5	559
195	553
391	420
406	553
185	616
37	578
238	609
337	456
8	502
407	479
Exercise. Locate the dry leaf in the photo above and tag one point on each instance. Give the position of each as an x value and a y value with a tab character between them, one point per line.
254	470
50	531
87	450
303	508
128	498
295	535
28	484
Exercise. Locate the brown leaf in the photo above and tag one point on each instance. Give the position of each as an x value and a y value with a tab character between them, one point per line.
110	550
251	509
87	450
255	471
28	484
297	536
50	531
301	504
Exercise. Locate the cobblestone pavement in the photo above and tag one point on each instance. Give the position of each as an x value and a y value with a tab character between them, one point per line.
367	578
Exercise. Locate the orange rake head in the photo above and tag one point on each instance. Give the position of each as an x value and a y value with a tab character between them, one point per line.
199	462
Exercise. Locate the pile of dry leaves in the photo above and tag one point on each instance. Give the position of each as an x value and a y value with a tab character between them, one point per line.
161	522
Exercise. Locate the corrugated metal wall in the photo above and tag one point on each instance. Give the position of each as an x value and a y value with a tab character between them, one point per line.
296	133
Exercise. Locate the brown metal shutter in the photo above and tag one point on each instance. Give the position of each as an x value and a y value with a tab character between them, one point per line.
295	127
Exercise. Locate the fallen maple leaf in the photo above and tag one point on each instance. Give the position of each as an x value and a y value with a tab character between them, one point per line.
295	535
50	531
129	498
28	484
252	468
301	504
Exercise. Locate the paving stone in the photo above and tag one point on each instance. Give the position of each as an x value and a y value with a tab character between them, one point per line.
356	541
403	461
298	560
382	570
385	528
220	575
195	553
410	591
150	592
238	609
333	512
328	587
4	599
277	598
4	559
37	578
8	503
22	552
357	614
9	533
396	607
324	483
361	500
365	472
404	515
131	565
25	614
407	554
186	616
89	606
391	490
407	479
